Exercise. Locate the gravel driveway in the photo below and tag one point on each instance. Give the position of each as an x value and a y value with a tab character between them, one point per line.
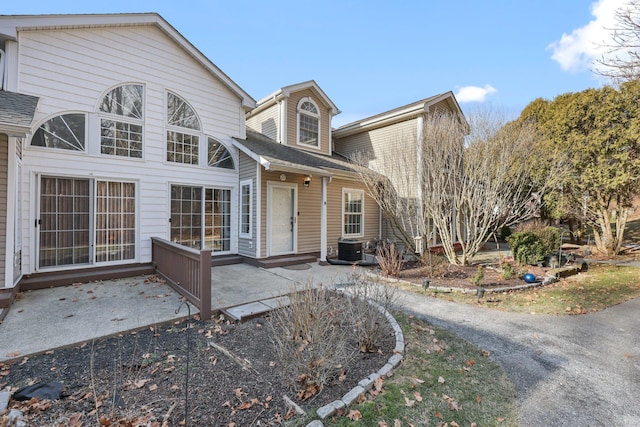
568	370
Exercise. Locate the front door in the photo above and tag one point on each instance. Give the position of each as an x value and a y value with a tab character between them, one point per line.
282	219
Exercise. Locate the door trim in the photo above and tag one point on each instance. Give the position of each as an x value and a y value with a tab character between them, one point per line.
270	186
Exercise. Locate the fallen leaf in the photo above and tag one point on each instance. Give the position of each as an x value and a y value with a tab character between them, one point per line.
382	424
454	424
470	362
485	353
354	415
441	380
438	415
153	387
479	399
104	421
397	423
13	354
418	396
408	402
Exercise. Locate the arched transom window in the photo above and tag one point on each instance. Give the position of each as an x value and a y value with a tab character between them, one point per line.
219	156
66	132
308	123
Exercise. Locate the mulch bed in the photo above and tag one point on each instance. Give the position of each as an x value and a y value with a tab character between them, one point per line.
140	378
459	277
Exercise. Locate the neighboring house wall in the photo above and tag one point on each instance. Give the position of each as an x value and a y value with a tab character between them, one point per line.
292	121
266	122
4	149
247	170
71	69
390	150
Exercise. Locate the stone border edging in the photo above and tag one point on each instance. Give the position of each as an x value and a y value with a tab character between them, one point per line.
367	383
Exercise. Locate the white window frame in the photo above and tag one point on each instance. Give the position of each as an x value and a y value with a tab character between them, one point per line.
346	191
299	112
103	115
197	133
249	233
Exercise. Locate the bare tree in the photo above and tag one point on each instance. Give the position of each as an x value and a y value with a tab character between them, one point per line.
469	179
622	60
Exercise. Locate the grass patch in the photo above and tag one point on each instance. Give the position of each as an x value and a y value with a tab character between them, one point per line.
443	379
601	287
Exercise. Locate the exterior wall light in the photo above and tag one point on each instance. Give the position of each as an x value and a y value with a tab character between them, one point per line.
307	180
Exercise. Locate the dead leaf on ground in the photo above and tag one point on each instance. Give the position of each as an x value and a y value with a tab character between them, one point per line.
354	415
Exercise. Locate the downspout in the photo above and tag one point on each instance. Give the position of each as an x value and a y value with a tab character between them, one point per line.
420	172
323	218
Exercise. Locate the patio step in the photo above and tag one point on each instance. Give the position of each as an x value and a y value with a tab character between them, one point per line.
6	297
220	260
244	312
62	278
284	261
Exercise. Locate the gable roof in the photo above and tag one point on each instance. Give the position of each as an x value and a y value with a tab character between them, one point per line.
10	25
277	157
285	92
16	113
398	114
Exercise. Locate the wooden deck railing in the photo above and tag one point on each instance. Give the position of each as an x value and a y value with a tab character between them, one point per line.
187	270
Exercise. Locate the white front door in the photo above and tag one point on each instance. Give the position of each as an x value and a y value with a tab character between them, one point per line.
282	219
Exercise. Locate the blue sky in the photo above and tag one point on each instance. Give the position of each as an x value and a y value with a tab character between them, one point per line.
372	56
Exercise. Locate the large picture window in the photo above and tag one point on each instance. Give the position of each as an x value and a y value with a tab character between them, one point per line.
122	121
201	217
352	212
67	234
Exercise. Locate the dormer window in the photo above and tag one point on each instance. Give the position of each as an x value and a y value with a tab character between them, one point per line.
308	123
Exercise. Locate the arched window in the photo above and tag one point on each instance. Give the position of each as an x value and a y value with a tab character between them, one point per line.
219	156
66	131
183	128
121	121
308	123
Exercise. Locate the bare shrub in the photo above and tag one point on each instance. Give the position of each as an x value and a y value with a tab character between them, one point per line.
372	299
311	338
437	265
389	259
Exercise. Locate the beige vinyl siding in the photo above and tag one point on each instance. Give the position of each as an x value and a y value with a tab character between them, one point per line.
71	69
4	168
390	150
247	171
334	214
292	121
266	122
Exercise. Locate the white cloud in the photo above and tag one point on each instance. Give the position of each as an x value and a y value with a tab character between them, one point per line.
474	93
579	50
